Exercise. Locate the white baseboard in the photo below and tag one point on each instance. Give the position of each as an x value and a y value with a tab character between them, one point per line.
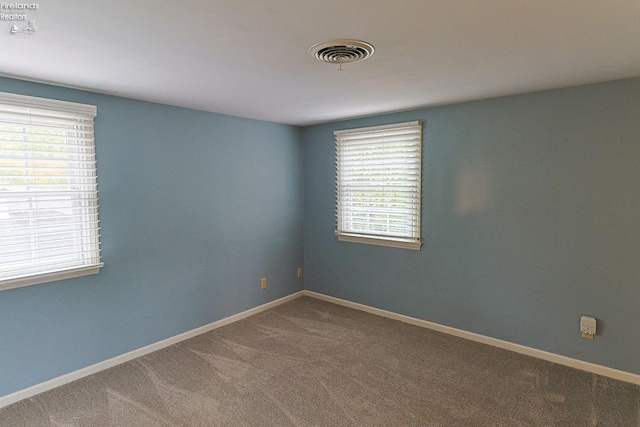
109	363
101	366
540	354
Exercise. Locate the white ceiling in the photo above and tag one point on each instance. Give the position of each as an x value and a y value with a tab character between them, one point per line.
250	58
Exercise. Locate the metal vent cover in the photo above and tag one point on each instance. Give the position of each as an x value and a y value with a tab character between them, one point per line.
341	51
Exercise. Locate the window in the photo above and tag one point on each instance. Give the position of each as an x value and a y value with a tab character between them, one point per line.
48	191
378	177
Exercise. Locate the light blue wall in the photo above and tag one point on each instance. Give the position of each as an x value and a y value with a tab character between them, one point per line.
195	208
531	218
530	212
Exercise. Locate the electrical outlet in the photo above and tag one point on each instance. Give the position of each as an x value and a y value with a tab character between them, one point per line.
263	283
588	327
300	272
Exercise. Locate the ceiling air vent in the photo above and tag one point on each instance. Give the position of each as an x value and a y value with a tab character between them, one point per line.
341	51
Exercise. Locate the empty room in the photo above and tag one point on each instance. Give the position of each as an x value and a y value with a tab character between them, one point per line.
334	213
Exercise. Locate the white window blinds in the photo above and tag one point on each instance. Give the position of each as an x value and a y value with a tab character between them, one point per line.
48	191
378	185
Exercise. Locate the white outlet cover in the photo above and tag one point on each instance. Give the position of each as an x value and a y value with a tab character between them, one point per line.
588	325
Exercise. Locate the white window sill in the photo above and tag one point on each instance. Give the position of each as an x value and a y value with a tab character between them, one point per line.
20	282
401	244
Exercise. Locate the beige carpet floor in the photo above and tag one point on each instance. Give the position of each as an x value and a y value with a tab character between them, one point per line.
312	363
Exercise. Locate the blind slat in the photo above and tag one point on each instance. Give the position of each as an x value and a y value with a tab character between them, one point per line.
27	269
43	251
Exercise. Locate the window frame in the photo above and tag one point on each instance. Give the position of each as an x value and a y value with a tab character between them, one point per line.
413	209
86	246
